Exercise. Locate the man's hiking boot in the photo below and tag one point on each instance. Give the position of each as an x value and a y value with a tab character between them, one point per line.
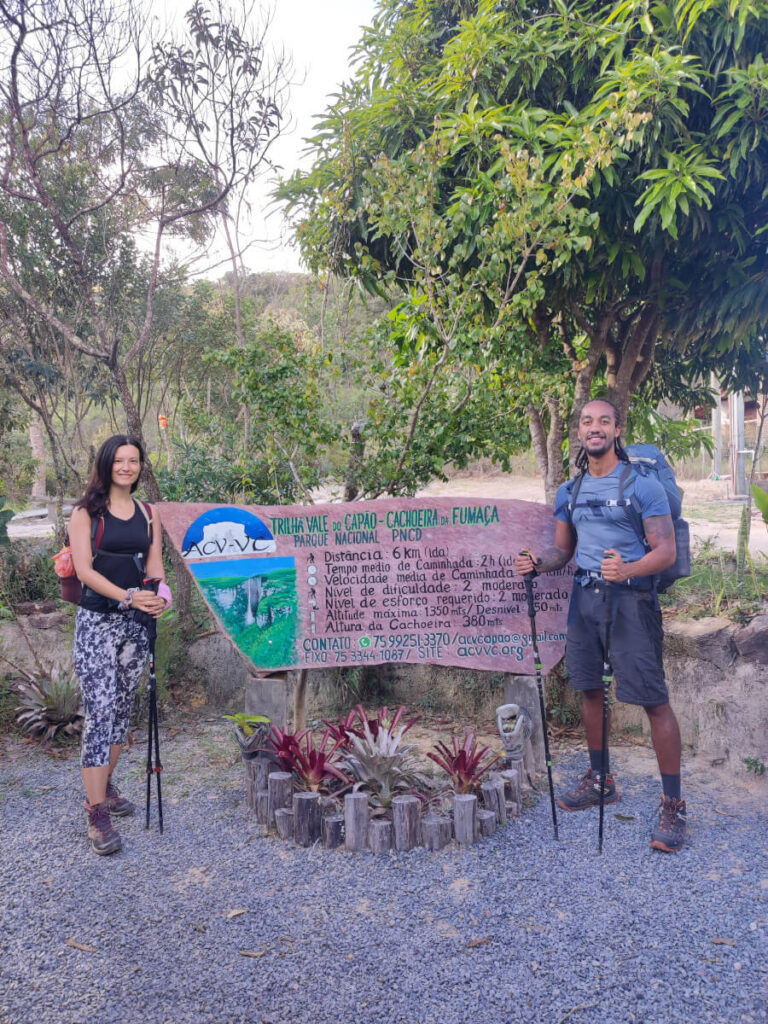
118	805
586	793
104	839
669	834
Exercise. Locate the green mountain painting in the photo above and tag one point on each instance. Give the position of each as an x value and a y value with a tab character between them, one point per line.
259	612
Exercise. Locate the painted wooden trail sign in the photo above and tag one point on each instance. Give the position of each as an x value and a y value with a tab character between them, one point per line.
394	580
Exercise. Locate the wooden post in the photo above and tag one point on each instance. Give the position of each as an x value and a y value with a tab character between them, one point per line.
306	818
280	789
333	831
501	803
262	806
436	831
486	822
284	822
406	819
262	766
380	836
300	701
356	817
511	779
250	784
465	818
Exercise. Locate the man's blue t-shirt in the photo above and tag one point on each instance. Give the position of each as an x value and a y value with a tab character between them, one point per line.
599	527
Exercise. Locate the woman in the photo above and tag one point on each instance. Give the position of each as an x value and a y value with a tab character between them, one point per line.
115	543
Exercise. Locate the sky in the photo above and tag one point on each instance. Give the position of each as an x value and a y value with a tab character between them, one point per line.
317	35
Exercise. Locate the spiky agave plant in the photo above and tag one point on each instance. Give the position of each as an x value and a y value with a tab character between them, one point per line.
50	705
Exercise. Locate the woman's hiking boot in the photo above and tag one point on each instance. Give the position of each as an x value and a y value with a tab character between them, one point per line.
586	793
669	834
118	805
104	839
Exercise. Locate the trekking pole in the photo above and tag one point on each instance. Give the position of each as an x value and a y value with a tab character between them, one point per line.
528	579
153	736
607	680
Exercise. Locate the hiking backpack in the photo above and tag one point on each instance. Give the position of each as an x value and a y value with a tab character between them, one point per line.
648	460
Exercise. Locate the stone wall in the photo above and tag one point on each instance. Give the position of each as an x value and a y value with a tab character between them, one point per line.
717	675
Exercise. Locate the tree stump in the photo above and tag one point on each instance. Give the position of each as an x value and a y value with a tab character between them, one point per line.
493	799
380	836
333	831
356	817
501	803
514	796
262	806
436	831
280	789
262	766
284	822
486	822
465	818
306	818
406	819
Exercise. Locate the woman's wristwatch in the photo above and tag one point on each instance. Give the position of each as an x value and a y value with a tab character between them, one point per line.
128	601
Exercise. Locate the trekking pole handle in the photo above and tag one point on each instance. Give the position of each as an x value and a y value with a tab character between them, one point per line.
528	579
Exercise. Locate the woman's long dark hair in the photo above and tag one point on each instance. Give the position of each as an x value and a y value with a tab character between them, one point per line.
581	462
96	496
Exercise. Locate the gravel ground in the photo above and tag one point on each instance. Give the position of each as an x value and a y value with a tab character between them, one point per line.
216	923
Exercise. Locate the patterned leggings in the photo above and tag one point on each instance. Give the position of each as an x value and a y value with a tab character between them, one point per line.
109	655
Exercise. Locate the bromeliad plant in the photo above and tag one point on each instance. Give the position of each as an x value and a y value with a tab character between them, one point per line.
463	763
313	768
380	765
50	706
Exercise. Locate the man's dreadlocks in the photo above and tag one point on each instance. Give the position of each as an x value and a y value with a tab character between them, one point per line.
582	460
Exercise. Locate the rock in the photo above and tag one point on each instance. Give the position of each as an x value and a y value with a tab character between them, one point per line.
36	607
52	646
752	640
709	639
56	620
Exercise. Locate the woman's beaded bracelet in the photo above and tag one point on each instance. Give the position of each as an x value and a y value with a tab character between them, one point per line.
126	604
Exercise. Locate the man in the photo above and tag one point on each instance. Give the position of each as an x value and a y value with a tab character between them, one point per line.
614	583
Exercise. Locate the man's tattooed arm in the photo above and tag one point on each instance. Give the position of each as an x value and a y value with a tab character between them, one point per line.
553	558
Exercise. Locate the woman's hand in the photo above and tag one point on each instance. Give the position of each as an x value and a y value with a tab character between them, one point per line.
148	601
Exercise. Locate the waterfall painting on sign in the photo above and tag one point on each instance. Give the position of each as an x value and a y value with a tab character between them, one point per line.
254	598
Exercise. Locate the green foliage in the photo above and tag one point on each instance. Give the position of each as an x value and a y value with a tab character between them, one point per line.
755	765
558	196
714	588
26	572
760	498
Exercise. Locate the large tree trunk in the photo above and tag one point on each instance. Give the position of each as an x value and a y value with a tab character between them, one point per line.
37	444
548	445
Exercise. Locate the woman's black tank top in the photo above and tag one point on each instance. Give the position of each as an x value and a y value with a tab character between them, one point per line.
121	557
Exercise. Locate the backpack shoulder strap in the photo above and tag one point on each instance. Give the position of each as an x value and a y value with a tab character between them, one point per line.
97	532
574	486
146	511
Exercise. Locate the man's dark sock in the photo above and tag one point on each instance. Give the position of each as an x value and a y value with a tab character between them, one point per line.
596	760
671	786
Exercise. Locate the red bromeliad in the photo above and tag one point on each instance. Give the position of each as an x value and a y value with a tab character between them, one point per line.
312	767
464	763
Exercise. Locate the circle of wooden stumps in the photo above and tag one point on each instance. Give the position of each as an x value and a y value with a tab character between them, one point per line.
308	818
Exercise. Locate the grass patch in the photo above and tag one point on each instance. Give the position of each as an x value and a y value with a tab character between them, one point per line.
713	588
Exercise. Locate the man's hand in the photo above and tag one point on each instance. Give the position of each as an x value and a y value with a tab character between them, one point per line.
614	570
525	562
